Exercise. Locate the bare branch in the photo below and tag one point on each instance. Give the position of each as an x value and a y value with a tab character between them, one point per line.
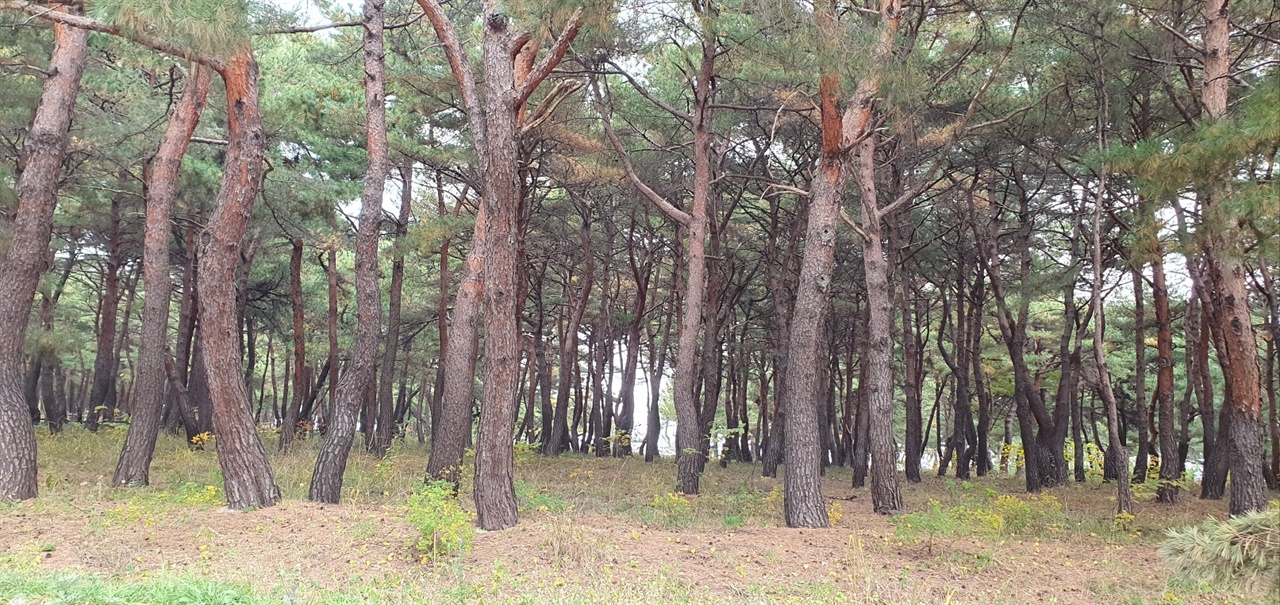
652	99
666	207
310	29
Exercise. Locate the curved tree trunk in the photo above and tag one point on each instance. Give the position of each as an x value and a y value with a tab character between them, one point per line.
246	474
27	254
356	381
134	465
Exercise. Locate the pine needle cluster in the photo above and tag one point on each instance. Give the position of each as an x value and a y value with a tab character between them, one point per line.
1239	552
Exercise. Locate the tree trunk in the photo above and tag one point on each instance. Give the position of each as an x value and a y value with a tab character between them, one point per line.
1170	472
558	441
804	505
450	428
27	255
358	380
391	342
246	474
105	365
134	465
1124	501
1140	378
289	425
1220	235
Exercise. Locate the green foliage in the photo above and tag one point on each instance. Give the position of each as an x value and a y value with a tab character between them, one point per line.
992	516
26	586
533	499
1234	553
444	526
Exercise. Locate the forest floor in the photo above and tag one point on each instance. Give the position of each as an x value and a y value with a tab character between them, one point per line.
592	530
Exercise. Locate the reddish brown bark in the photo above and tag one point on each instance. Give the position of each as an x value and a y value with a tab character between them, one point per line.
27	256
1219	234
247	476
134	465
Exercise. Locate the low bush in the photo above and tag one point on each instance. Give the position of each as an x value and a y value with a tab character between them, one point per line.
444	527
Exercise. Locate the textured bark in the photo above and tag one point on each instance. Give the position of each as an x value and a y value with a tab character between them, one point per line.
495	134
1220	235
804	505
385	422
246	474
133	467
453	421
357	381
27	254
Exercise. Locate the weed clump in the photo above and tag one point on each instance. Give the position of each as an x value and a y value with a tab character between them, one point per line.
444	527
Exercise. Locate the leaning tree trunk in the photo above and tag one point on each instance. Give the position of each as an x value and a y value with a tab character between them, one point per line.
326	481
246	474
134	465
27	255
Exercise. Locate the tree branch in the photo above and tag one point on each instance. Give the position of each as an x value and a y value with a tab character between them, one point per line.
652	99
553	58
93	25
458	64
666	207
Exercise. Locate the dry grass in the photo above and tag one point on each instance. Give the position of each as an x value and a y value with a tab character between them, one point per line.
592	530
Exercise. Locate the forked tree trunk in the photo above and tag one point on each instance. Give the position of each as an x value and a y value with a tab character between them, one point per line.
246	474
27	253
357	381
134	465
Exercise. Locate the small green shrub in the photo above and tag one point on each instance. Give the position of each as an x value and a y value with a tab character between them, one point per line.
928	525
1238	552
445	528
